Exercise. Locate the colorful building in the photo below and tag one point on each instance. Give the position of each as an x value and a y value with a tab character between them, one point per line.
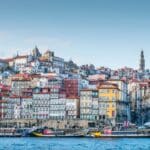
19	83
72	87
72	108
89	104
57	108
109	106
4	97
41	103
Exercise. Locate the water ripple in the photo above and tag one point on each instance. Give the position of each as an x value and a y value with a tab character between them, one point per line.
73	144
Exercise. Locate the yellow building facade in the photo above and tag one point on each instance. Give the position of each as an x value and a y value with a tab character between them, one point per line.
108	98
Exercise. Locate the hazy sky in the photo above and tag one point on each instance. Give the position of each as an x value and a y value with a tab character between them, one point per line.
103	32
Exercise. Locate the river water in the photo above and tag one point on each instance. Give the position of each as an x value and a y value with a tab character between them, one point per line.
74	144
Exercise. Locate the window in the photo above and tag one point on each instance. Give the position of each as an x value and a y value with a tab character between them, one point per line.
113	105
113	113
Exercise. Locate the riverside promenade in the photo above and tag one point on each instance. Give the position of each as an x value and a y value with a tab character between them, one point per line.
59	124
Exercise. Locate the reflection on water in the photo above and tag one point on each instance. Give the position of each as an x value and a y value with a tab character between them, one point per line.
73	144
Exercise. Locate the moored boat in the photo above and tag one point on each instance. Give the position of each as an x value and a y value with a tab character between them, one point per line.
10	132
120	134
45	132
37	134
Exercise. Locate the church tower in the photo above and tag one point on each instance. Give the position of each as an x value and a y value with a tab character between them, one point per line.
36	53
142	62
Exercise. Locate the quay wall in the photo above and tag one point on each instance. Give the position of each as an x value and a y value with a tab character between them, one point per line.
59	124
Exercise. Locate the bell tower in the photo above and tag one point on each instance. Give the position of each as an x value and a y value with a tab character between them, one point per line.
142	62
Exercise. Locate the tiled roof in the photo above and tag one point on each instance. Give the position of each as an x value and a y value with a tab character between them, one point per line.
4	87
21	77
108	85
8	59
14	96
21	56
3	61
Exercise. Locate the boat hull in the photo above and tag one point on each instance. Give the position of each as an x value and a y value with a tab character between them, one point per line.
35	134
124	136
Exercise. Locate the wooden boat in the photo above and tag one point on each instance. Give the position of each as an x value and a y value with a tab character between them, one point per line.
125	136
46	133
36	134
10	132
120	134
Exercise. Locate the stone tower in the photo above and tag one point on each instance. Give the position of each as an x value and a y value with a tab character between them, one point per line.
142	62
36	53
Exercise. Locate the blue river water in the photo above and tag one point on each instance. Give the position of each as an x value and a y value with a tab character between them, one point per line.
74	144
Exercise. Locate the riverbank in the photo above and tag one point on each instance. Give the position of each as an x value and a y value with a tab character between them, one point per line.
53	133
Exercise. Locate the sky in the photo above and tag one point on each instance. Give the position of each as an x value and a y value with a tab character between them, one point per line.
107	33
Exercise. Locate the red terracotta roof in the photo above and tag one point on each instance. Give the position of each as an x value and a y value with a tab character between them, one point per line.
3	60
21	56
4	87
42	93
8	59
14	96
107	85
21	77
3	101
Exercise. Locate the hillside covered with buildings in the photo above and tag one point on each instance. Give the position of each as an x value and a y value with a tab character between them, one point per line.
43	87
